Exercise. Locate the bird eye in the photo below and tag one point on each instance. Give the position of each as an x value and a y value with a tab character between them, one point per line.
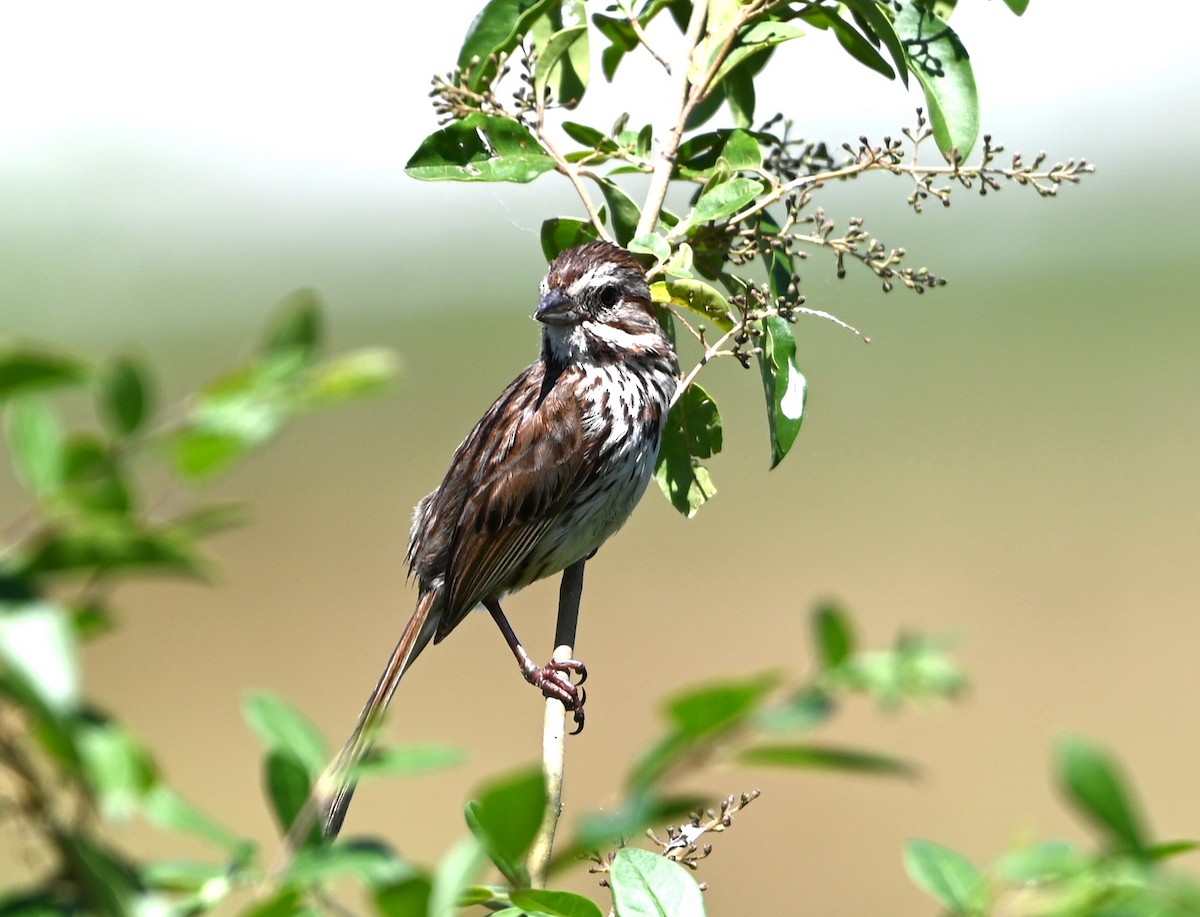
609	295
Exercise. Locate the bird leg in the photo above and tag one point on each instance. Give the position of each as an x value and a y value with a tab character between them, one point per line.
553	679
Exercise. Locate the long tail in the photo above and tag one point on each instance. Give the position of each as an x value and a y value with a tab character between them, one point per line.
331	795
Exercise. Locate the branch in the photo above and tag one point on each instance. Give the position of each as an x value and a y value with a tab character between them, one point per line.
691	93
660	180
35	802
554	725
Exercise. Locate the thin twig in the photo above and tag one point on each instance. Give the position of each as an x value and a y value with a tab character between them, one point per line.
714	350
644	39
35	801
872	163
571	171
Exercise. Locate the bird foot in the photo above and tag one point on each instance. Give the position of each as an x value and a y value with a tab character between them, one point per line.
556	680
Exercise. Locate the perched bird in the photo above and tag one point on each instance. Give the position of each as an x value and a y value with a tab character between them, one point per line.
550	472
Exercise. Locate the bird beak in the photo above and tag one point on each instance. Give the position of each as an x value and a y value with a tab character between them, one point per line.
556	308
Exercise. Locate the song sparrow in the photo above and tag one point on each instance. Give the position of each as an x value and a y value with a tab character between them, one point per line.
552	470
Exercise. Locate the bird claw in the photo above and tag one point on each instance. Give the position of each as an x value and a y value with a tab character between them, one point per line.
555	680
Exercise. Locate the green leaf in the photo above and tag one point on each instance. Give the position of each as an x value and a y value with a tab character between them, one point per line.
42	902
947	876
408	759
721	202
781	270
126	397
623	213
285	903
1170	849
167	809
918	668
207	520
368	861
91	620
709	106
1017	6
199	454
633	815
783	385
645	141
709	709
106	881
561	233
941	64
454	873
115	766
833	635
38	644
754	40
653	764
742	151
803	711
1050	861
93	477
506	818
351	375
679	265
718	152
859	48
288	785
719	24
281	727
482	894
241	411
651	244
697	297
107	544
875	22
824	758
1093	783
186	876
740	94
622	40
30	370
590	137
497	29
553	903
556	68
294	328
645	884
36	442
692	433
850	39
406	898
480	148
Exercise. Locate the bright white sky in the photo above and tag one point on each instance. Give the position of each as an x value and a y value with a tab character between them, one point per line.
341	85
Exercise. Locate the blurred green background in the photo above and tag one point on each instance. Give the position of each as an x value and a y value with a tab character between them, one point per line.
1012	461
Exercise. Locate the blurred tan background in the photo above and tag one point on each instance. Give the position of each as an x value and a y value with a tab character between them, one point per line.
1013	461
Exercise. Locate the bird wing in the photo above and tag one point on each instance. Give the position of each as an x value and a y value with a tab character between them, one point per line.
526	457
